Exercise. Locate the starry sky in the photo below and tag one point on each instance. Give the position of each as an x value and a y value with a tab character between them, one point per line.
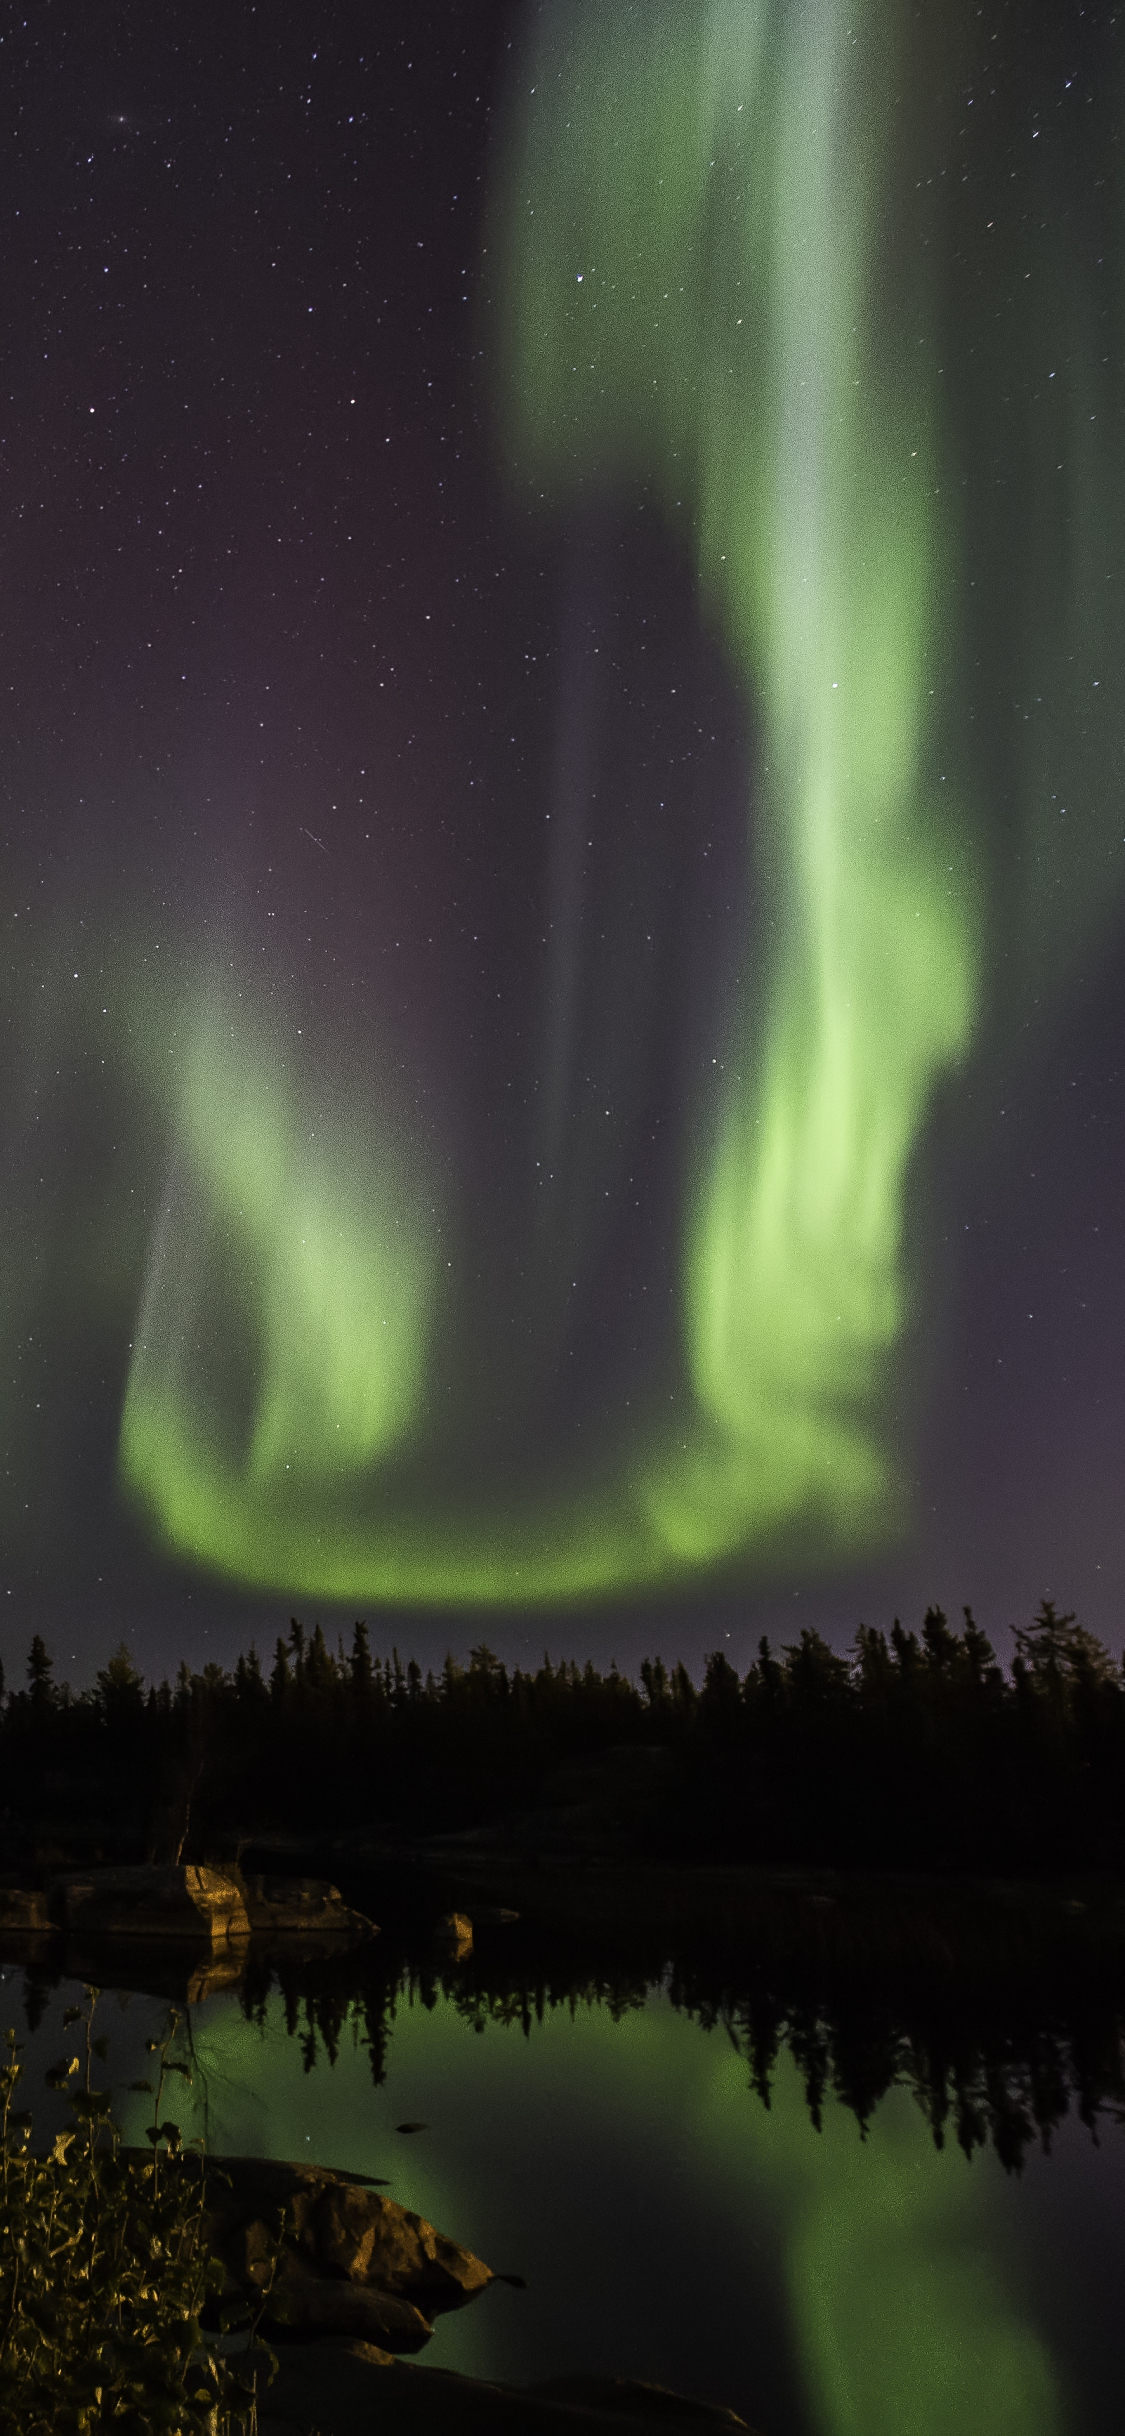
485	1144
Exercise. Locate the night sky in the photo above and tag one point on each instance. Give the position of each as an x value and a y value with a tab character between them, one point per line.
532	1107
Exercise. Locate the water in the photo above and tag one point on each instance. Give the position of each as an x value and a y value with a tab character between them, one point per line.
605	2140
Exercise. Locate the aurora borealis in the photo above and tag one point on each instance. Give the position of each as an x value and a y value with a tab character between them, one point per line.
563	826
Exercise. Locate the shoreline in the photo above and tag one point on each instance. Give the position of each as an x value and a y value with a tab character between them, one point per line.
986	1927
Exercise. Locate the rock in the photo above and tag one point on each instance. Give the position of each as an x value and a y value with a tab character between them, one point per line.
359	2233
352	2389
318	2305
25	1908
170	1900
352	2262
456	1932
302	1906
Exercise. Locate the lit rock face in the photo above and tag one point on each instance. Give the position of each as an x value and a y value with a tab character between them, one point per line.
455	1933
351	2262
172	1900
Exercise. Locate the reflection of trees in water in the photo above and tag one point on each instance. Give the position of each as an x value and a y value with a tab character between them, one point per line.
999	2064
1001	2067
996	2061
324	1998
1006	2086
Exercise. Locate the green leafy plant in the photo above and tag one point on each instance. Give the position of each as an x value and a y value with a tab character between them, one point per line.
105	2273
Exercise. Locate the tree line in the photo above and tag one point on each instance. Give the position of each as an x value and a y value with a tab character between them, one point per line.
910	1750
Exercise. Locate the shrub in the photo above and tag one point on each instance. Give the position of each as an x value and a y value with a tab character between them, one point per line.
104	2272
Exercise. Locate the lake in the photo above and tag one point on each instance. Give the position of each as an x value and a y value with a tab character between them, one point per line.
606	2136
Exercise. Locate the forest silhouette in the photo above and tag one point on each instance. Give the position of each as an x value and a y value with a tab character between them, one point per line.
917	1751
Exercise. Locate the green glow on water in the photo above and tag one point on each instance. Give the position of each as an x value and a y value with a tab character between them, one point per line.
687	221
899	2264
905	2328
904	2315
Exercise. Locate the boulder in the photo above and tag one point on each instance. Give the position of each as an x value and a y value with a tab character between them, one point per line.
161	1900
455	1933
306	1907
352	2262
312	2305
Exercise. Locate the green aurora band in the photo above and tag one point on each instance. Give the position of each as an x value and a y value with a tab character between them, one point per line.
688	211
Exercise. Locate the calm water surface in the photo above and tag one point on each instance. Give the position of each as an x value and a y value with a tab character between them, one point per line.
831	2281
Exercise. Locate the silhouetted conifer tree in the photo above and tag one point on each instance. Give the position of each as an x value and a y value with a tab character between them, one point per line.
42	1693
362	1679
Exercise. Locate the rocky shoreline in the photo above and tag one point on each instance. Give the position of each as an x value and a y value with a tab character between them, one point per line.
183	1902
348	2281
